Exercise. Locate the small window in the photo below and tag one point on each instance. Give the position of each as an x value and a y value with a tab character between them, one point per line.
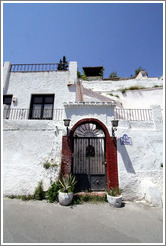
42	107
7	100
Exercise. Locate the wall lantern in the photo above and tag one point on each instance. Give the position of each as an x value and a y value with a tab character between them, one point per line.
67	123
114	126
14	99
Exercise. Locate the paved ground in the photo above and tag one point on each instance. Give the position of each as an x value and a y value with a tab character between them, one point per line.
42	222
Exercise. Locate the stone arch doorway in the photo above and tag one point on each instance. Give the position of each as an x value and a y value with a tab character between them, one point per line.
91	154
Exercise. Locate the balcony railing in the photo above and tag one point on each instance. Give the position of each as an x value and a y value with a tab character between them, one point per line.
58	114
42	67
25	114
133	114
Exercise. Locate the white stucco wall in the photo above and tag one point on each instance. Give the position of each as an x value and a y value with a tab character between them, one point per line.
111	85
101	111
27	142
139	99
139	164
23	84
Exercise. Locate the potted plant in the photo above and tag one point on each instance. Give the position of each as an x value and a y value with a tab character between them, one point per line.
65	195
114	196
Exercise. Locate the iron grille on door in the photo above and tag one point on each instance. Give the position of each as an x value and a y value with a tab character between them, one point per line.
89	163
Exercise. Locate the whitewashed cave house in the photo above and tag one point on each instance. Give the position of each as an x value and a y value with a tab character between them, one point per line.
38	98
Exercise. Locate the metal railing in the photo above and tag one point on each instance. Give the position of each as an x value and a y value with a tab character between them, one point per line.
25	114
58	114
42	67
133	114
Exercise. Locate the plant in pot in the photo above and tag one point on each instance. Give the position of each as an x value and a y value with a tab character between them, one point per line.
65	195
114	196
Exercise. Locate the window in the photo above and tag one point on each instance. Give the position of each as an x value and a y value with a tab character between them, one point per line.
42	107
7	99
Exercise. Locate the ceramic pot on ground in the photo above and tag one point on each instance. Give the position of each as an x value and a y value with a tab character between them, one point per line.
65	198
115	201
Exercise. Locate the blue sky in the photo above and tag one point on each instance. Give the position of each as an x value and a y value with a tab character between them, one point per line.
118	36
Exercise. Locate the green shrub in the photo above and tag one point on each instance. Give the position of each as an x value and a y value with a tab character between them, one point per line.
22	197
138	70
123	91
116	96
76	199
113	95
155	86
83	76
114	191
27	198
68	183
39	193
136	87
78	74
52	192
87	197
113	75
13	197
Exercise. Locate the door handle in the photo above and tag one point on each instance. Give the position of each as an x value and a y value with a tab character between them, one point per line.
104	163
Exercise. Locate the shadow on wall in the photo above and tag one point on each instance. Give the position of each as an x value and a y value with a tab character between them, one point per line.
126	159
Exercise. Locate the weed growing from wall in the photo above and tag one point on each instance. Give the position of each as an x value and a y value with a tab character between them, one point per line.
132	88
49	163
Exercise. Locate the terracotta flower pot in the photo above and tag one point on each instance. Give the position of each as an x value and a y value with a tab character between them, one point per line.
65	198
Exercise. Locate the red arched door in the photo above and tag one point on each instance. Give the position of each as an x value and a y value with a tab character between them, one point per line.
89	157
91	154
